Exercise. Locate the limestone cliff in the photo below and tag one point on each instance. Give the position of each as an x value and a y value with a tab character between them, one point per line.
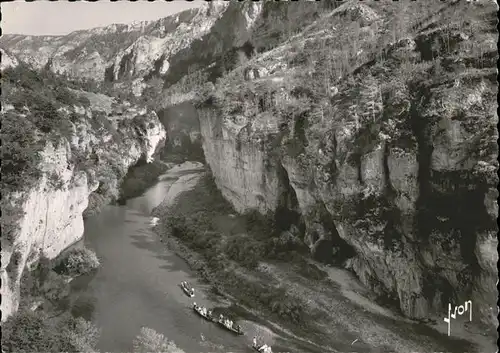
377	128
56	157
137	51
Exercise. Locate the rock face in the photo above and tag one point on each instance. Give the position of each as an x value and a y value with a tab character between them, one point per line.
397	168
47	218
7	60
122	52
183	131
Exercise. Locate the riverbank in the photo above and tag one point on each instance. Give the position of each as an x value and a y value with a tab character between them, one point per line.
232	253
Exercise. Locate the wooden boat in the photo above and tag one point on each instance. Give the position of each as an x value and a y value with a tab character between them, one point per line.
206	317
187	291
257	348
232	329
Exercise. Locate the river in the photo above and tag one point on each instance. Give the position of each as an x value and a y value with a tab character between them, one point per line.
137	284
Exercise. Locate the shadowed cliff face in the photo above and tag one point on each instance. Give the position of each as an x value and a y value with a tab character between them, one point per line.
389	168
183	132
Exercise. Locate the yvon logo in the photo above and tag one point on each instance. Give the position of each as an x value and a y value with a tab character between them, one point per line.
467	307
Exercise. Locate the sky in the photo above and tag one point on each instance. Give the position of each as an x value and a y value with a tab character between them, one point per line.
54	18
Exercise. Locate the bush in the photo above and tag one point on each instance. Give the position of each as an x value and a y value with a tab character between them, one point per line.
151	341
20	149
78	262
78	334
28	331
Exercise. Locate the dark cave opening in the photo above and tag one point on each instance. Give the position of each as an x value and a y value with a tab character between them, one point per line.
287	212
125	64
324	251
109	75
333	249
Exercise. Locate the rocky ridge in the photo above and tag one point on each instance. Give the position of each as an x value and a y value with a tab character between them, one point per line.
129	52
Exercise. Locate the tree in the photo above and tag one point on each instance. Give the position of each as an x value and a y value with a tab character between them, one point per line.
149	341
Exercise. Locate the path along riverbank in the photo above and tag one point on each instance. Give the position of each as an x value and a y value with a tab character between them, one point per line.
338	313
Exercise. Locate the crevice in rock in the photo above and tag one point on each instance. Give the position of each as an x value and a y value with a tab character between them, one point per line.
109	75
424	152
332	249
12	268
125	64
287	211
157	64
389	189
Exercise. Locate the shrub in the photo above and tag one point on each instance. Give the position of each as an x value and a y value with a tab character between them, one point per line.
20	149
28	331
78	334
149	340
78	262
54	287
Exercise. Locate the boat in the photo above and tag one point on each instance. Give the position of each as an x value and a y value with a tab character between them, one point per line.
257	348
187	291
197	310
232	329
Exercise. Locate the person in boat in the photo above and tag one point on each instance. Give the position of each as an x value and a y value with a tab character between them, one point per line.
192	291
265	348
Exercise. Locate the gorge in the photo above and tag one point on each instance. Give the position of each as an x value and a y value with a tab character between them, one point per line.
366	132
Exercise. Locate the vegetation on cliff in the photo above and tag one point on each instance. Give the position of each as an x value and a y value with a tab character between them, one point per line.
78	261
35	327
28	331
384	86
148	340
37	98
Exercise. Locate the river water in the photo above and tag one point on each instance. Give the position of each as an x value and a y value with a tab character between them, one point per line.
137	284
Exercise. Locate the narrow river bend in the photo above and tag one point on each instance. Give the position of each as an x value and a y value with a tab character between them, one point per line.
137	284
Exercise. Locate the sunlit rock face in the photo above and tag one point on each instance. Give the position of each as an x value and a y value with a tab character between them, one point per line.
8	61
49	216
123	51
398	182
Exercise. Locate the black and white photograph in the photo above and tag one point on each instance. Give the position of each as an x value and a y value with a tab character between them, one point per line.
249	176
